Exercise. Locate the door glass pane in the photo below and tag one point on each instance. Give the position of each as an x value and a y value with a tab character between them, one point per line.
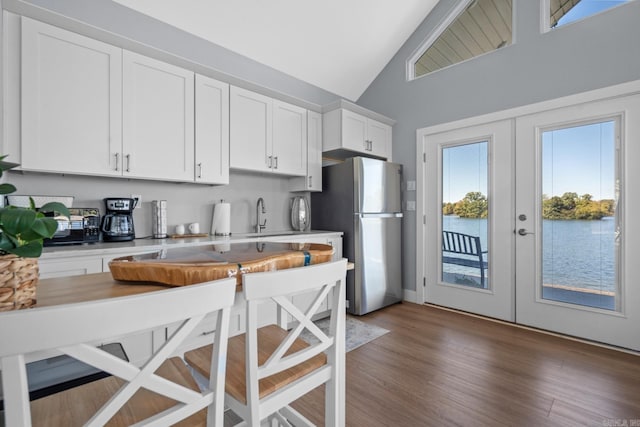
465	212
579	253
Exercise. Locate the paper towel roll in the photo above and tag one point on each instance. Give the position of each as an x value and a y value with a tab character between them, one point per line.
221	224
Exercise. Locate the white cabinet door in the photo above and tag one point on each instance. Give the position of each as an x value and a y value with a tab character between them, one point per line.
346	132
354	131
289	139
314	153
336	243
251	121
69	267
212	131
158	118
71	101
313	180
379	137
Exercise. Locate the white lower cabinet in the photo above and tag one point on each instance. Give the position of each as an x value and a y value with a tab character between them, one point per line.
50	269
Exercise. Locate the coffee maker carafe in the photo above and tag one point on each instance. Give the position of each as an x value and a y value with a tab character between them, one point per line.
117	224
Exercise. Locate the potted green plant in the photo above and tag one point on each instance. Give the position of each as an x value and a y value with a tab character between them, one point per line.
22	232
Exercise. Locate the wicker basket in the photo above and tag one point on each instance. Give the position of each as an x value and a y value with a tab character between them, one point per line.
18	281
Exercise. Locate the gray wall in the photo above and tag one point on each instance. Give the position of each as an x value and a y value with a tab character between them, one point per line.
186	202
597	52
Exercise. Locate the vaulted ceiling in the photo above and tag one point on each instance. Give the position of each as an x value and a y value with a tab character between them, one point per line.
337	45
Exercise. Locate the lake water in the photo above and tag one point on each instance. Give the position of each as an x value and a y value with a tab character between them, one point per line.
576	253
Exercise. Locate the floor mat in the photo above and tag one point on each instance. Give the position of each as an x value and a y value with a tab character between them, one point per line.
358	332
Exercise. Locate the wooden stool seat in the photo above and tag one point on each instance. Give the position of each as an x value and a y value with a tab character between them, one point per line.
74	407
269	338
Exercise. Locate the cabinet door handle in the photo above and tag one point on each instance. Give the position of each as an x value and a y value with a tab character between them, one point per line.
117	161
270	162
276	159
128	156
199	170
310	181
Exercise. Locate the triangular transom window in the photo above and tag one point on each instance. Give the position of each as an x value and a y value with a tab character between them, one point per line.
475	27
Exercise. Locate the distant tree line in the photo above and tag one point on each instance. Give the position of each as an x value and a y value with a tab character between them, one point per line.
572	206
568	206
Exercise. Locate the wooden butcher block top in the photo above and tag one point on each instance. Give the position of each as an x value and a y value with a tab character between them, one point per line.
189	265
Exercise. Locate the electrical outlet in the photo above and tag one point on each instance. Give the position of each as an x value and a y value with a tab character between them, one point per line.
411	186
137	197
411	205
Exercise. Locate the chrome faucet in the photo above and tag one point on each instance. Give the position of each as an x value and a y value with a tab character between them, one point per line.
260	210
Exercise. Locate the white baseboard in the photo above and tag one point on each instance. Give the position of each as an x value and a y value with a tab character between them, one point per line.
410	296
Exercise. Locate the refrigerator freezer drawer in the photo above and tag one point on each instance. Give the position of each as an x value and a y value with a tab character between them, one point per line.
377	279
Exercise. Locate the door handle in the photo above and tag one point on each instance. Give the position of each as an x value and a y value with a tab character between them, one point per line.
524	232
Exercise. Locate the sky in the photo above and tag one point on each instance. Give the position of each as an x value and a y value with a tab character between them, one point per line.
579	159
464	169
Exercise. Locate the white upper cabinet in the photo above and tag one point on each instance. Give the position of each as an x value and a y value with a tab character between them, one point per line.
348	133
158	119
251	130
379	137
267	135
289	139
71	101
212	131
313	180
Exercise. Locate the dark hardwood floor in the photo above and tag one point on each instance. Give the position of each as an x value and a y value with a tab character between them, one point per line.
439	368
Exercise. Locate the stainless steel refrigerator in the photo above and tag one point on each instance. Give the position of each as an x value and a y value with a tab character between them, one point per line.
361	198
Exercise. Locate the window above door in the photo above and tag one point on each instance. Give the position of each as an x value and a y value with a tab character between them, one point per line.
473	28
562	12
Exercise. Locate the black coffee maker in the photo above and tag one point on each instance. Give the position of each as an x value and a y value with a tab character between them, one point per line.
117	224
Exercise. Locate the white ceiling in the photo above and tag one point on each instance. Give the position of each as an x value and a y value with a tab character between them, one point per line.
337	45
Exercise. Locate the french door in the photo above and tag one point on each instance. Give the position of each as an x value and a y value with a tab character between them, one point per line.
577	226
470	209
531	220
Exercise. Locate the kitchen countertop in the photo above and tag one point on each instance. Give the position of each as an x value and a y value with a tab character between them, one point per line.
150	244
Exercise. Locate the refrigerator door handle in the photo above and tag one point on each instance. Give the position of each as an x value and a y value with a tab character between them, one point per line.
380	215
